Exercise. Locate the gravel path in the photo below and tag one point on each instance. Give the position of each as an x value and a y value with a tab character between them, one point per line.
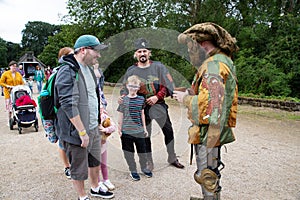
262	164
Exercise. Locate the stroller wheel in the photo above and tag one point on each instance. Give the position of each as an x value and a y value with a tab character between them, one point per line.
20	130
36	125
11	123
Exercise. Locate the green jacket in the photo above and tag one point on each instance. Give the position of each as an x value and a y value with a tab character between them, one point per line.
213	105
39	75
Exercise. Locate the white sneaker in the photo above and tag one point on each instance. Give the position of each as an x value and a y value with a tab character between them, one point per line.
103	188
109	185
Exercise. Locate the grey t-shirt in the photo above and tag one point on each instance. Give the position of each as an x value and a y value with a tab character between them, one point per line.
92	96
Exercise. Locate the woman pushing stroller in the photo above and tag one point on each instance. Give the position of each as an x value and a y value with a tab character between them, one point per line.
8	80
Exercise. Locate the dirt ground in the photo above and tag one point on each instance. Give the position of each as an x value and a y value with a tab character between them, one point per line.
262	164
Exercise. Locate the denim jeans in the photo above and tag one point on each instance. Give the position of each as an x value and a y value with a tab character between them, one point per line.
39	85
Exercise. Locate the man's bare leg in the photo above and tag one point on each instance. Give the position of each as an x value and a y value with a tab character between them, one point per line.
79	187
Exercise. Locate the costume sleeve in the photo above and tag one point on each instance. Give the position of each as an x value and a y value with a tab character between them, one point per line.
167	84
162	93
216	96
206	106
196	104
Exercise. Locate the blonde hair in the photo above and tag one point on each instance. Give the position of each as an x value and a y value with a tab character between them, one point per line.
134	79
65	51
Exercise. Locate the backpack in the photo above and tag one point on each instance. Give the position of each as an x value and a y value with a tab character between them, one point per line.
47	108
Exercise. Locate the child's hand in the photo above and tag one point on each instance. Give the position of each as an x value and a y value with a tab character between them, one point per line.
146	133
107	131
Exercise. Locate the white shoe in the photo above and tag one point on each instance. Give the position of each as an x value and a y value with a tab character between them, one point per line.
109	185
103	188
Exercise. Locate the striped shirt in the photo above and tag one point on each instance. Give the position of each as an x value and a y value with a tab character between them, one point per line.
132	114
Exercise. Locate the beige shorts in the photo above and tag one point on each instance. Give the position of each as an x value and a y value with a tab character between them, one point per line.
82	158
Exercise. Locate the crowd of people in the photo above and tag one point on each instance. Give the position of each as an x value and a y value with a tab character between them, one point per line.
83	123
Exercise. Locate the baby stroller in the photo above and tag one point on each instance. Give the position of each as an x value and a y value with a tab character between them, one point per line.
23	108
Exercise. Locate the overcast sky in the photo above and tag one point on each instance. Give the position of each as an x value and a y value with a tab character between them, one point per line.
14	14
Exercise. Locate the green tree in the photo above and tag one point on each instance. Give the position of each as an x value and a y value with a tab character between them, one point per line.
270	31
65	38
9	51
14	51
35	35
267	33
285	51
260	76
108	18
3	53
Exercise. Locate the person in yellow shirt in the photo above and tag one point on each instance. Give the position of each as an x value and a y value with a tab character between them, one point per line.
9	79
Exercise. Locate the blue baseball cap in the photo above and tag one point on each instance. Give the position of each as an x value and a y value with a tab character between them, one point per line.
89	41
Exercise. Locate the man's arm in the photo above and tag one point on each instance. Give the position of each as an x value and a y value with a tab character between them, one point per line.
76	121
166	82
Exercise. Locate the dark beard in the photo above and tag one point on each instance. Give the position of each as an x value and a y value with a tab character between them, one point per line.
143	59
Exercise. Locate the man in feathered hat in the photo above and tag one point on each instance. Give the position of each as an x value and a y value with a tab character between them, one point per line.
211	102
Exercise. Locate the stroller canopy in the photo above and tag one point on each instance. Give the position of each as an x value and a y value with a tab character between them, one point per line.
19	91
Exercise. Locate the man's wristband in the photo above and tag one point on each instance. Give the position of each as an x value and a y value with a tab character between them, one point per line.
82	133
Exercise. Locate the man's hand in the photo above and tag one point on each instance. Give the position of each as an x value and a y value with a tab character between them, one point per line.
120	100
179	95
101	128
146	134
84	140
152	100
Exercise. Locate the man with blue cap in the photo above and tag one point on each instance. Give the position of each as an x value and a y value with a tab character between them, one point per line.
77	100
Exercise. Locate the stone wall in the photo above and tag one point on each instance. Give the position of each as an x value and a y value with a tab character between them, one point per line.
283	105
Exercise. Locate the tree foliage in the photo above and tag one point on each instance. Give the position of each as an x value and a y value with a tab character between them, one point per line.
3	53
267	33
8	51
35	35
65	38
